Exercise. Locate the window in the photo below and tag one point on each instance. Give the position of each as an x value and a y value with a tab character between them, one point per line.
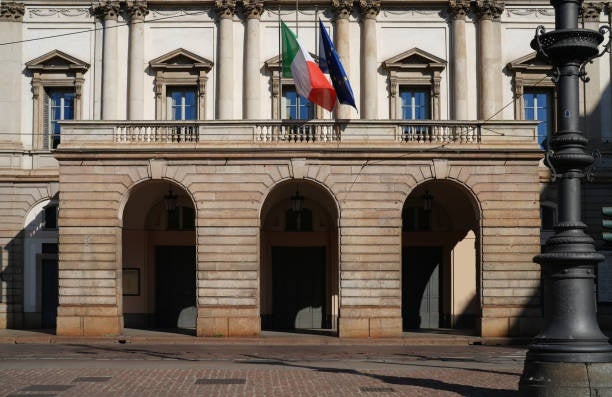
50	216
538	106
416	219
57	82
58	106
298	221
181	102
534	93
296	107
414	104
180	85
414	79
286	103
181	218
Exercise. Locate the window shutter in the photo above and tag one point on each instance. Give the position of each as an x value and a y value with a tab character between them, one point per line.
45	121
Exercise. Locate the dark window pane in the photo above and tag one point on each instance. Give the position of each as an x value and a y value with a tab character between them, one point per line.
173	219
50	213
188	218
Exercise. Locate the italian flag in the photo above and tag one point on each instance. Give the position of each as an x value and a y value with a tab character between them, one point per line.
310	82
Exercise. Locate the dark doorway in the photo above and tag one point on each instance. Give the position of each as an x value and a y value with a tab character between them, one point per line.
298	292
421	300
176	286
49	299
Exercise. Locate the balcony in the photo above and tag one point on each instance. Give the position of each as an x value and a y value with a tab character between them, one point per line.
406	134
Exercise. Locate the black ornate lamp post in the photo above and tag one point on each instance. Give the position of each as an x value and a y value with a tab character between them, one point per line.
570	356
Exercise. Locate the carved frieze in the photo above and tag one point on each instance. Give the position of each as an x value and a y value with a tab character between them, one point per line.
590	11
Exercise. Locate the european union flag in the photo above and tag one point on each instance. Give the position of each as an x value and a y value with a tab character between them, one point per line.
330	63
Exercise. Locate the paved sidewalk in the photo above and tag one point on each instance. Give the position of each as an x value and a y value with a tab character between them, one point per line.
151	363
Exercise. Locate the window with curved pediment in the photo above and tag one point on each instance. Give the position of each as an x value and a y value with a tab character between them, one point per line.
57	82
180	85
414	78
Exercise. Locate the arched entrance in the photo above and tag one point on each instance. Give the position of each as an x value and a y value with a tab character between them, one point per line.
299	259
159	258
440	230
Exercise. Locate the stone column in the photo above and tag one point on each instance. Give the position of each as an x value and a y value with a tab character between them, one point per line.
108	12
11	29
369	62
489	59
251	90
590	100
137	11
458	10
225	10
342	10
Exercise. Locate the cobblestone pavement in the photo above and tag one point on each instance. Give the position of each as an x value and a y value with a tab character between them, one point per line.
111	369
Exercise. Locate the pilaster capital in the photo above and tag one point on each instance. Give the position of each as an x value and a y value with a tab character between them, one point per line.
590	11
369	8
489	9
137	9
458	9
106	10
342	8
12	11
225	9
253	8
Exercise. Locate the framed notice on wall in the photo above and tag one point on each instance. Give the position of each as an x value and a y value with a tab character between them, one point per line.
131	281
604	279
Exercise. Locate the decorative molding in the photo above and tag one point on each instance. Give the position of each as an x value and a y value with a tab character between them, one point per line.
12	11
590	12
342	8
489	9
413	12
65	12
528	71
106	10
225	9
253	9
537	12
369	9
458	9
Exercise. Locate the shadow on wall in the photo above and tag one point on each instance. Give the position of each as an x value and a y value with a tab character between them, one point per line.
29	281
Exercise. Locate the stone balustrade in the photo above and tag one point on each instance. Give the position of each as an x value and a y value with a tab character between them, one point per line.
312	132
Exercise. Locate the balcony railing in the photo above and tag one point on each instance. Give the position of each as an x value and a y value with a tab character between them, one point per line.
311	132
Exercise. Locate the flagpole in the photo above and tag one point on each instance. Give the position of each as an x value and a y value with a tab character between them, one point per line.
280	83
297	26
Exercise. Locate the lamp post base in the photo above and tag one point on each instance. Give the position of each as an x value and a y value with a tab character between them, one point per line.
563	379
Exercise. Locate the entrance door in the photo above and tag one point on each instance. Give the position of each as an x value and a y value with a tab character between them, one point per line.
421	287
49	296
298	280
176	287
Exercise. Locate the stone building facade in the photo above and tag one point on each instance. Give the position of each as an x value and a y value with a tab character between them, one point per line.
157	171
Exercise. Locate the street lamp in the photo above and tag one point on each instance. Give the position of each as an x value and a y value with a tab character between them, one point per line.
297	201
170	200
570	356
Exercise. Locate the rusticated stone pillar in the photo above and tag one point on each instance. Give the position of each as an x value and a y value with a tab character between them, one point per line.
137	10
369	63
489	59
252	75
108	12
342	10
225	10
458	10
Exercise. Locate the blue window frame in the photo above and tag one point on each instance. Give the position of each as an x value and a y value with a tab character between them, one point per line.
181	103
296	107
538	105
60	107
415	103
